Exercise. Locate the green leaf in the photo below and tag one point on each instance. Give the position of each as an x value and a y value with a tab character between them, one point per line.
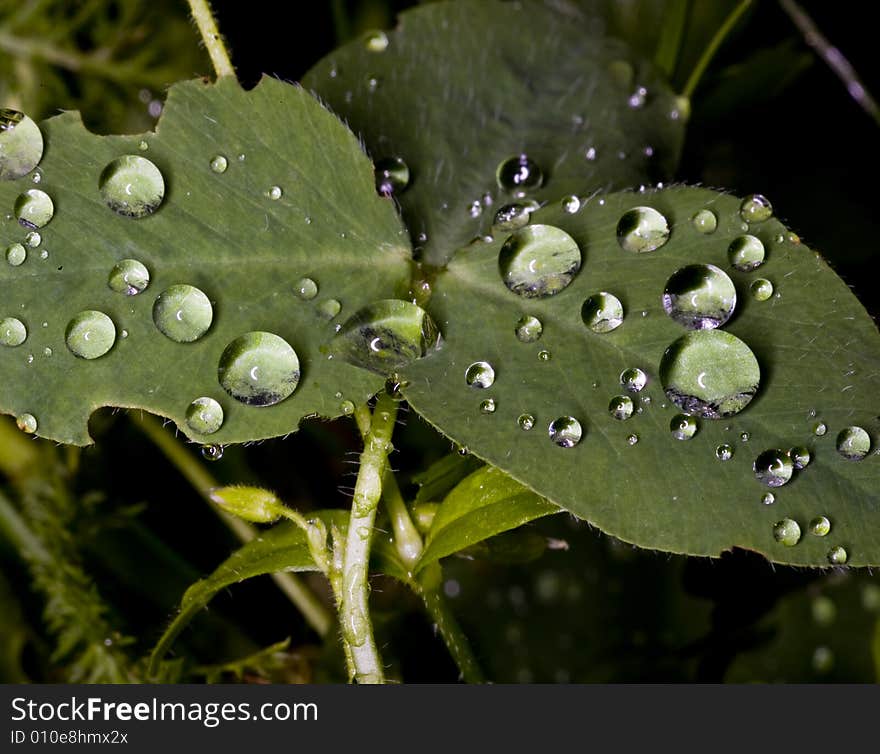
221	232
484	504
440	477
817	349
462	86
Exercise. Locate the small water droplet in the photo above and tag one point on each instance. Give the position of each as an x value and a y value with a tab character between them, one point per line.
274	193
212	452
528	329
744	437
642	229
525	422
773	468
602	312
820	526
21	144
183	313
488	406
392	175
566	431
699	297
768	498
306	289
761	289
143	146
33	239
347	408
90	334
204	416
590	154
787	532
329	308
219	163
132	186
518	175
12	332
376	41
838	556
853	443
480	374
47	351
373	83
683	427
637	99
513	217
819	429
800	457
539	261
37	177
755	209
621	407
632	440
124	334
724	452
746	253
129	277
571	204
705	221
633	379
34	208
16	254
27	423
259	369
44	254
544	355
242	157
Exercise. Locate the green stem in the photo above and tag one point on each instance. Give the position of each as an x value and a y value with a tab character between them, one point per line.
669	45
407	539
293	587
354	610
712	48
204	18
16	531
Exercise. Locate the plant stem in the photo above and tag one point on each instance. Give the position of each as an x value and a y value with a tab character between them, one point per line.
709	53
354	612
16	531
204	18
407	539
669	45
293	587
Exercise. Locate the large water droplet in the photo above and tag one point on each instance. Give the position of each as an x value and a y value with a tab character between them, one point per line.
761	289
853	443
12	332
602	312
705	221
392	175
27	423
259	369
683	427
129	276
132	186
219	163
566	431
204	416
633	379
183	313
21	144
699	297
820	526
838	556
525	422
386	336
621	407
746	253
710	373
800	457
16	254
787	532
480	374
642	229
34	208
518	175
513	217
755	209
773	468
528	329
539	261
90	334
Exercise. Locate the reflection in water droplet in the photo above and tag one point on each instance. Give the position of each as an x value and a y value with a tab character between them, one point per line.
544	355
602	312
853	443
347	408
820	526
819	429
329	308
566	431
15	254
518	175
488	406
699	297
129	276
632	439
800	456
838	556
394	386
768	498
480	374
219	163
571	204
539	261
525	422
513	217
132	186
761	289
27	423
259	369
621	407
755	209
705	221
274	193
773	468
710	373
787	532
392	175
528	329
746	253
212	452
204	416
376	41
642	229
33	239
183	313
34	208
633	379
21	144
12	332
90	334
724	452
683	427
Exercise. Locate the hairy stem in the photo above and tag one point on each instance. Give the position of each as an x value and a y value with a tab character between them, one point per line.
204	18
354	609
293	587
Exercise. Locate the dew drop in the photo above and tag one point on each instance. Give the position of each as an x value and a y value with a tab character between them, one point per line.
528	329
44	254
699	297
787	532
755	209
525	422
27	423
800	457
259	369
602	312
590	154
329	308
204	416
642	229
705	221
773	468
621	407
513	217
744	437
724	452
394	386
274	193
544	355
710	373
132	186
761	289
392	175
683	427
475	208
212	452
33	239
183	313
746	253
853	443
12	332
632	440
306	289
819	429
518	175
488	406
347	408
571	204
21	144
838	556
34	208
539	261
633	379
15	254
90	334
376	41
768	498
820	526
480	374
219	163
129	277
566	431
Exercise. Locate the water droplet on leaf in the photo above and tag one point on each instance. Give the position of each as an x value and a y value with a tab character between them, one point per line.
259	369
34	208
724	452
787	532
539	261
219	163
838	556
621	407
16	254
27	423
699	297
853	443
632	440
90	334
528	329
129	277
204	416
602	312
819	429
33	239
800	457
274	193
773	468
544	355
376	41
820	526
746	253
633	379
12	332
683	427
306	289
566	431
571	204
392	175
755	209
518	175
480	374
761	289
513	217
183	313
132	186
768	498
705	221
488	406
525	422
21	144
212	452
329	308
642	229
